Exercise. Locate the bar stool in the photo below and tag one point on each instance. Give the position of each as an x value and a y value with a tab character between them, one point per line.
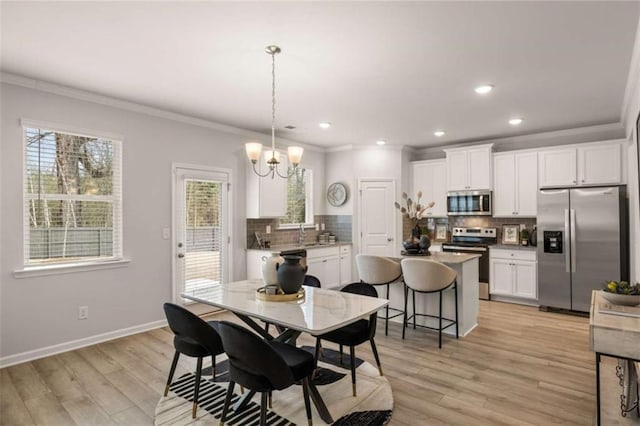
427	276
378	270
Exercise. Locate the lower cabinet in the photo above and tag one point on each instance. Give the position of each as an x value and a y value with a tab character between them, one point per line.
331	265
513	273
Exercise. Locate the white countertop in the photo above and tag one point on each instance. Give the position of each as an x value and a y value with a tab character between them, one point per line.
279	248
451	258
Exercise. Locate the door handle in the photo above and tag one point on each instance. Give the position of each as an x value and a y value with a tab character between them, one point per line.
180	255
573	240
567	247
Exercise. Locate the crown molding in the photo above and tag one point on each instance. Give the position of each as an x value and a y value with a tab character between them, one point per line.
84	95
532	140
339	148
632	89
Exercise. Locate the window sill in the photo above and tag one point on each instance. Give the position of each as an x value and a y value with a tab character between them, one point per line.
41	271
295	227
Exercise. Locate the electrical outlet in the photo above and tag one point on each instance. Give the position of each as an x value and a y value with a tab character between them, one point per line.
322	226
317	226
166	233
83	312
268	229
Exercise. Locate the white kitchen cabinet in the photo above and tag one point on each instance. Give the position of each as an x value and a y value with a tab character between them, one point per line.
513	273
469	168
266	197
590	164
345	265
331	265
430	177
515	182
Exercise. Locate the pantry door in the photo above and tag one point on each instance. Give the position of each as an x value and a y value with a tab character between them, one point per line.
377	217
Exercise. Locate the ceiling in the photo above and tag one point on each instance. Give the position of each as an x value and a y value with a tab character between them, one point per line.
376	70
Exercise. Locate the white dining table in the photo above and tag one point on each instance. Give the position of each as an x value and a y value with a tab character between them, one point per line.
318	312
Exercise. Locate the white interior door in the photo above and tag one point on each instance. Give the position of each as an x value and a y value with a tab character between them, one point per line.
377	218
201	229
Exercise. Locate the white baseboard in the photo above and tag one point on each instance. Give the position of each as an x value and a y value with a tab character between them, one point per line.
77	344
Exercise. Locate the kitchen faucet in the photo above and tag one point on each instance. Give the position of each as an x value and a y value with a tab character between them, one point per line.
301	234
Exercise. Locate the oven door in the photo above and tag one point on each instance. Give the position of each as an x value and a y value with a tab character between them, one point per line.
483	261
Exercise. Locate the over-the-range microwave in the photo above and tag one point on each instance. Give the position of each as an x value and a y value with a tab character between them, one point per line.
469	203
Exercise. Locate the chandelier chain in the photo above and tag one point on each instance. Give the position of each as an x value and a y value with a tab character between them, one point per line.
273	99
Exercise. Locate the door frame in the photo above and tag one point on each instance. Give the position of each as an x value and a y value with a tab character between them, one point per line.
359	208
195	168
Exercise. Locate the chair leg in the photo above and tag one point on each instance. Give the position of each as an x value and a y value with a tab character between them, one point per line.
263	409
316	357
227	402
440	319
352	355
196	388
375	354
213	367
455	289
386	319
404	321
340	354
174	363
413	293
266	327
307	404
270	399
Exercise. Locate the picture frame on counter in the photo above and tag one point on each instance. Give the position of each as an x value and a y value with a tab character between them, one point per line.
511	234
441	233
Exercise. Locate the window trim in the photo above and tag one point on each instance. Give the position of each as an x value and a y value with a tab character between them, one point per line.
30	269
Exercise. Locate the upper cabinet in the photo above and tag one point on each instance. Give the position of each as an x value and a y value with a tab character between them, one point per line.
515	183
430	177
469	168
266	197
591	164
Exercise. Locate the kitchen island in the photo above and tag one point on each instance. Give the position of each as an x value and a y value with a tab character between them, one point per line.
466	266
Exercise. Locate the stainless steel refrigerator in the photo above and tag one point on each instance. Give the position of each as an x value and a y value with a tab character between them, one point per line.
583	241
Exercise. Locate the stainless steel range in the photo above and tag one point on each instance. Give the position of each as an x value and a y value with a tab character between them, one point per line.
476	241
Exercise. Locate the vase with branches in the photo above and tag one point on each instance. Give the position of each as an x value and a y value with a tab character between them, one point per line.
414	211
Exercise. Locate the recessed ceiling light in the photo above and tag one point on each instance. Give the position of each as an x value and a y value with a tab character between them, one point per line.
324	125
290	127
484	89
381	142
439	133
515	121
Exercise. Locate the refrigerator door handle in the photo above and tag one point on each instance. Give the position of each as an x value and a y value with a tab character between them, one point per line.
573	240
567	247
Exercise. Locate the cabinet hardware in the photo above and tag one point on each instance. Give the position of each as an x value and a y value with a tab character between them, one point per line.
180	255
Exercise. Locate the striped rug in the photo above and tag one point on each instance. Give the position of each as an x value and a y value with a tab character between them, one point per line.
373	405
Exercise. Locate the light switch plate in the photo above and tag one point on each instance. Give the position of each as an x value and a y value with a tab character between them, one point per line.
166	233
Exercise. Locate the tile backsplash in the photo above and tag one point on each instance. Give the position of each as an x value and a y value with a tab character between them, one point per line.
338	225
468	221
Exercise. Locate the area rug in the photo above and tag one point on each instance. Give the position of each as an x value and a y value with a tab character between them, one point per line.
373	406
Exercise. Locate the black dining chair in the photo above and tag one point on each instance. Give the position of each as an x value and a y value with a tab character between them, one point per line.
194	337
263	366
355	333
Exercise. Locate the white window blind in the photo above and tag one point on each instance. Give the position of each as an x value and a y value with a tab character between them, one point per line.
203	234
72	198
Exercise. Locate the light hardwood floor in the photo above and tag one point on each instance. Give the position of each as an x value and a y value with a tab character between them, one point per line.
520	366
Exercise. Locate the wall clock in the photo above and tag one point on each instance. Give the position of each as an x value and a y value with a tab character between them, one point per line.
337	194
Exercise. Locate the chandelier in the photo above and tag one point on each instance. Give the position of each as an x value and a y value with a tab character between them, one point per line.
272	157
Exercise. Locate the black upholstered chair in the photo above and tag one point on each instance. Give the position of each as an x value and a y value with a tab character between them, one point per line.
311	281
263	366
193	337
355	333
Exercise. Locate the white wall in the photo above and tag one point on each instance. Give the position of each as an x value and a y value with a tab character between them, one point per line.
39	312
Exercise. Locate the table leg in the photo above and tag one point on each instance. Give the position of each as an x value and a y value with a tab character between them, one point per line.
254	326
244	400
598	388
319	403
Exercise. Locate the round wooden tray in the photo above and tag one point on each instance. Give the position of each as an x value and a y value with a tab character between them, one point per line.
281	297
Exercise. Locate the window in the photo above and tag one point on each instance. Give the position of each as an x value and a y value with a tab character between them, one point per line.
299	200
72	198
